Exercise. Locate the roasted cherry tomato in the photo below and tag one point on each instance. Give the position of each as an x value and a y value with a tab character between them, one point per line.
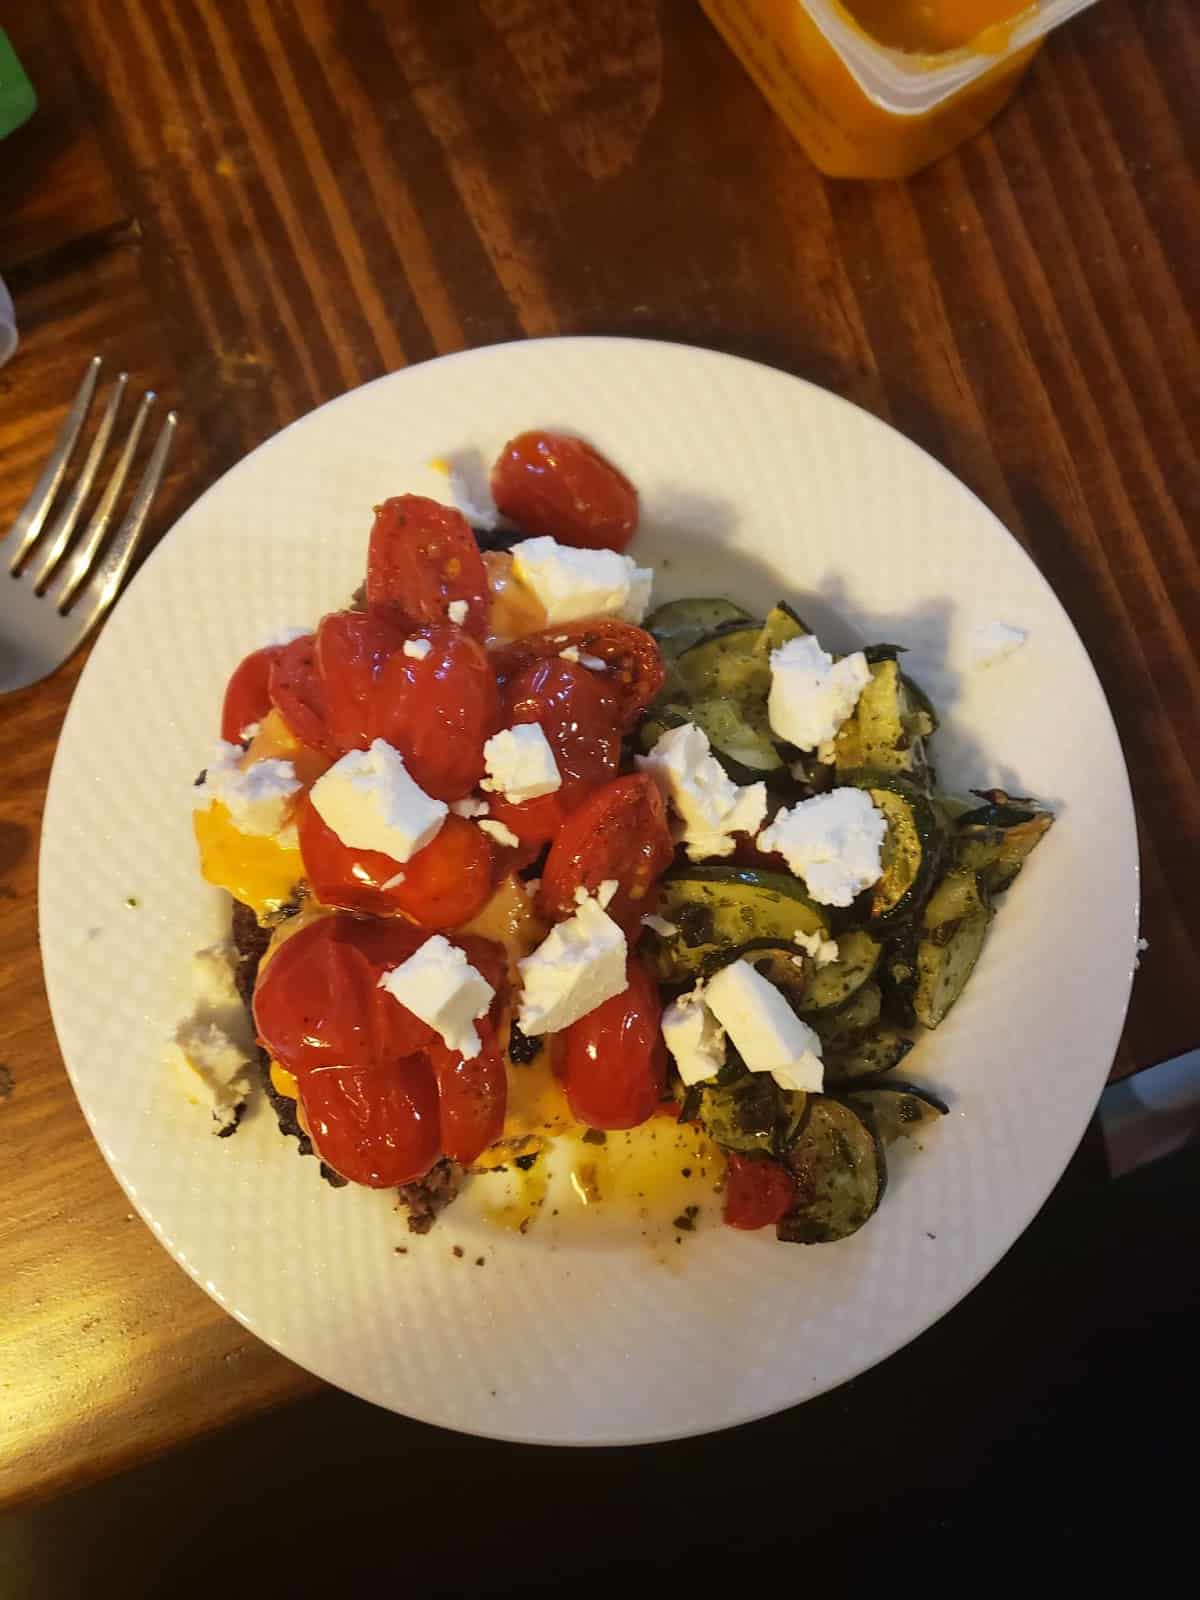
614	1059
298	694
472	1095
550	483
379	1126
634	661
352	650
619	832
421	558
319	1004
758	1191
443	885
248	695
439	710
578	713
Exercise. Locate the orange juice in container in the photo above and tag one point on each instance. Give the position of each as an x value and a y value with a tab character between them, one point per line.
880	88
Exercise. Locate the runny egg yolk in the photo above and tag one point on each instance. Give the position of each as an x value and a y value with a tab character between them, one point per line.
254	867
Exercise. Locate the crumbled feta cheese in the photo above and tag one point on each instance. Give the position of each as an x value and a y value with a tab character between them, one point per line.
582	659
823	951
571	653
768	1034
993	641
659	925
470	807
608	887
457	611
213	969
250	731
811	694
833	841
371	803
259	797
216	1069
574	583
501	834
577	967
694	1037
438	984
827	750
520	763
468	496
532	885
417	649
713	808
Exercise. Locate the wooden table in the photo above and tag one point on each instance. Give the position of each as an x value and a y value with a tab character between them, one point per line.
255	206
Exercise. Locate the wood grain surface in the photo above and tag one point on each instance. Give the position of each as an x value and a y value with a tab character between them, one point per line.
255	206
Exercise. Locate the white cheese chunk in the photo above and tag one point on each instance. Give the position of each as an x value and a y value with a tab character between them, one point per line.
768	1034
659	925
501	834
457	612
520	763
259	798
823	951
811	694
215	1068
417	649
470	807
694	1037
577	967
572	583
993	641
833	841
438	984
371	803
712	807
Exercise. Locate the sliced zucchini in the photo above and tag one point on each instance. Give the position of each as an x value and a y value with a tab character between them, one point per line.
996	838
851	1021
740	736
681	623
838	1164
883	733
953	929
781	625
897	1110
719	908
867	1057
743	1115
832	985
924	719
778	960
913	848
725	665
897	977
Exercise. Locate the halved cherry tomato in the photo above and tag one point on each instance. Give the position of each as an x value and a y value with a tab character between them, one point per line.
634	661
298	694
443	885
422	556
615	1062
352	650
248	695
551	483
439	711
578	713
758	1191
619	832
472	1094
379	1126
319	1004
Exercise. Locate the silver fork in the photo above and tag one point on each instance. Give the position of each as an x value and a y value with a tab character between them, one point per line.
49	604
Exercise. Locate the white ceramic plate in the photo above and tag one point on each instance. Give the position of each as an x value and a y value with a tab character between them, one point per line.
584	1330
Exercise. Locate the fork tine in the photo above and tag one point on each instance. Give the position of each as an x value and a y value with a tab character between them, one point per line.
59	535
85	552
110	574
33	514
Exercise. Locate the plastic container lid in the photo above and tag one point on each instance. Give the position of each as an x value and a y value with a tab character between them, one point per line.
911	85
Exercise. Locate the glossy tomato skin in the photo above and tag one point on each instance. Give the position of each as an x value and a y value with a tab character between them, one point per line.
379	1126
556	485
635	670
298	694
443	885
352	650
619	832
614	1059
318	1002
579	715
472	1095
439	711
248	694
758	1191
423	556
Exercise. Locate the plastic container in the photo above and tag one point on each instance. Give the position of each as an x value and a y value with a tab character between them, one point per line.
880	88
